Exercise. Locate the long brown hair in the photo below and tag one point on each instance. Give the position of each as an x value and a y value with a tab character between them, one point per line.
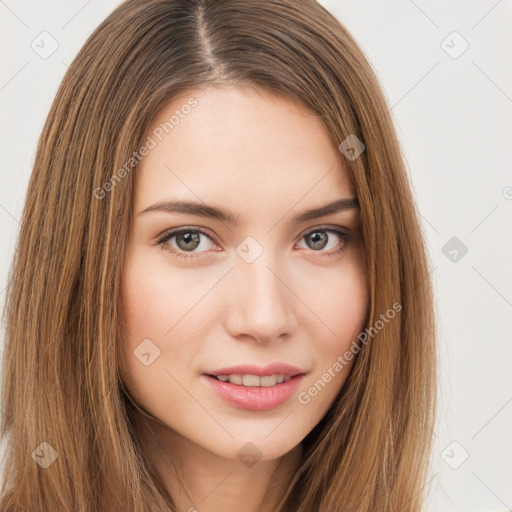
67	430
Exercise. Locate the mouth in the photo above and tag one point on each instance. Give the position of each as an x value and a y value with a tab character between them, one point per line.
251	375
249	380
253	392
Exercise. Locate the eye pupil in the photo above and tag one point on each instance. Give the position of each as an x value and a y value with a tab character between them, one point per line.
318	241
188	237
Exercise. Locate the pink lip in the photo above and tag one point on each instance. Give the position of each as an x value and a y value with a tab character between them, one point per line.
254	398
249	369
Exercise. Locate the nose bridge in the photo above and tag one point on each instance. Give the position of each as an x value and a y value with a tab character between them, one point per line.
262	305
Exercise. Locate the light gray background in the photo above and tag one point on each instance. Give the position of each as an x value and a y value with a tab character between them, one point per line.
452	111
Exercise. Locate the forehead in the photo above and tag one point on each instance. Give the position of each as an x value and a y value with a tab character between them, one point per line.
242	147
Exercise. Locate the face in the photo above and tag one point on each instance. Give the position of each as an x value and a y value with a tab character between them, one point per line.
261	285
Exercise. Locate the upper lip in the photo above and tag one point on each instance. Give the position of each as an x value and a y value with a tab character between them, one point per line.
249	369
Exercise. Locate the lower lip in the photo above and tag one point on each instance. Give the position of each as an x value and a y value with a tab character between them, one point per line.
254	398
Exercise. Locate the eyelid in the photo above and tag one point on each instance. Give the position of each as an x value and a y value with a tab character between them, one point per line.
176	231
213	237
326	227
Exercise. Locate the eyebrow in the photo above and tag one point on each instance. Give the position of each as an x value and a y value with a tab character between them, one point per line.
223	215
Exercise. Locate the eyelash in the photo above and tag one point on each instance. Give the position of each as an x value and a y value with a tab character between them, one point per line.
165	237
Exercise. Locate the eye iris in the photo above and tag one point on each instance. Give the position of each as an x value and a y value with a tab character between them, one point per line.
188	237
320	241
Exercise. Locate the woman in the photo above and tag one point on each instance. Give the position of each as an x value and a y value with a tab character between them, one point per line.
220	297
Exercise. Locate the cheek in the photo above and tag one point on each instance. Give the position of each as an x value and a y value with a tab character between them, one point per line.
155	295
339	300
347	310
162	304
341	305
158	340
147	304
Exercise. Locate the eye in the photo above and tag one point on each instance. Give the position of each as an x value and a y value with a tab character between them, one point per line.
321	237
189	239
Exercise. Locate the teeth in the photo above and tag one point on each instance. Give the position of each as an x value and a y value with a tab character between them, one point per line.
254	380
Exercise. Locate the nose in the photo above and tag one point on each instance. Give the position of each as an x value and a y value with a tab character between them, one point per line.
261	305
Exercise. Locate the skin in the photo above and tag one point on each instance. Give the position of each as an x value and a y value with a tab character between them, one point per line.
266	158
